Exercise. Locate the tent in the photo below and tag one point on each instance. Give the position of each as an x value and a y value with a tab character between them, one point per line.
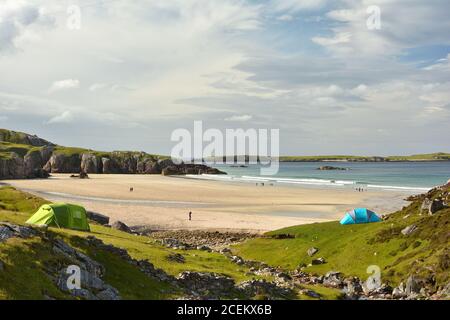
61	215
360	215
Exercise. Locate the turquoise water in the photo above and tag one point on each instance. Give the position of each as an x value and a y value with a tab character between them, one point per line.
372	175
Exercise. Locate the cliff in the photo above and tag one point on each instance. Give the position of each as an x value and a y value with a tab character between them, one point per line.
28	156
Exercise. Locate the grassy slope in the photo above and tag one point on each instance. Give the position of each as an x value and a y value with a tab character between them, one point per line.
351	249
25	259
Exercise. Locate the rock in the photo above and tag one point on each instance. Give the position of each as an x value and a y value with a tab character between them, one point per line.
238	260
176	257
412	286
409	229
352	287
209	284
109	293
432	206
271	290
9	230
12	167
318	261
445	291
333	279
281	236
90	163
310	293
435	206
60	163
97	217
330	168
312	251
119	225
203	248
225	251
2	266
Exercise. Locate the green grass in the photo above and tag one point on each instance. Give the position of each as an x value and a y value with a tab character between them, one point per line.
17	206
351	249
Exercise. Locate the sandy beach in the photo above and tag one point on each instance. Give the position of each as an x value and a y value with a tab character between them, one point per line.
164	202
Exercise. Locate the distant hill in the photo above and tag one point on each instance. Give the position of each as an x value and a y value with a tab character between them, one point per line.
440	156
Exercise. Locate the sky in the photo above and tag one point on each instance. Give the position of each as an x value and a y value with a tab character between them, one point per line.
123	74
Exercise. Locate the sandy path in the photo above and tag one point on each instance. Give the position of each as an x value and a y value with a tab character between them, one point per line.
163	202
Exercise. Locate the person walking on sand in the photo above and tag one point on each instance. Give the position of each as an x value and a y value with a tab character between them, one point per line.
190	215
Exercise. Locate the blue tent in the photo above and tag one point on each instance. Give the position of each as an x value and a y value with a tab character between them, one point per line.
360	215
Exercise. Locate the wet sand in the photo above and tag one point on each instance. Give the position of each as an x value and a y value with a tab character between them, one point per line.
163	203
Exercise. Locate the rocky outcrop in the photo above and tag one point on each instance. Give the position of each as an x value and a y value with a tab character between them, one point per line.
331	168
431	206
23	138
46	158
61	163
12	167
91	164
119	225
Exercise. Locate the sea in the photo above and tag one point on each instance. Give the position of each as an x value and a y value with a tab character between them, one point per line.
407	176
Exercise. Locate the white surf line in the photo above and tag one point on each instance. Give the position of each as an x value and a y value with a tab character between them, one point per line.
122	201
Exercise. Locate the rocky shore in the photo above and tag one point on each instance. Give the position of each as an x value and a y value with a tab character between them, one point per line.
28	156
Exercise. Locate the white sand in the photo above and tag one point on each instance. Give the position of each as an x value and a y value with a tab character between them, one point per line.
164	202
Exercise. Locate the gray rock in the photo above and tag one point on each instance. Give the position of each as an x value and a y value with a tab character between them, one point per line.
9	230
97	217
176	257
435	206
119	225
109	293
312	251
409	229
318	261
412	286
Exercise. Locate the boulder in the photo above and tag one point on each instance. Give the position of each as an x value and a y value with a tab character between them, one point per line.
60	163
97	217
312	251
409	229
176	257
119	225
89	163
436	205
412	286
12	167
318	261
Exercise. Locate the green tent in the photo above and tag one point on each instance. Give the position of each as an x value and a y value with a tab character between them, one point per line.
61	215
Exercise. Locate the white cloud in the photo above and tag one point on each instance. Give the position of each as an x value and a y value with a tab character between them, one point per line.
64	85
297	5
285	17
17	19
65	117
239	118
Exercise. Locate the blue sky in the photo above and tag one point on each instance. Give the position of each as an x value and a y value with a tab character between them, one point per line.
136	70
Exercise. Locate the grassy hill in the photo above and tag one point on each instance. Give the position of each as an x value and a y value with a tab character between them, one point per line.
26	260
351	249
440	156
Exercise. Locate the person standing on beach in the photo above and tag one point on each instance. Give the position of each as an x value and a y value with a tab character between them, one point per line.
190	215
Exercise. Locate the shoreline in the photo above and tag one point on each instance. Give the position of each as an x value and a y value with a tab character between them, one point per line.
162	203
